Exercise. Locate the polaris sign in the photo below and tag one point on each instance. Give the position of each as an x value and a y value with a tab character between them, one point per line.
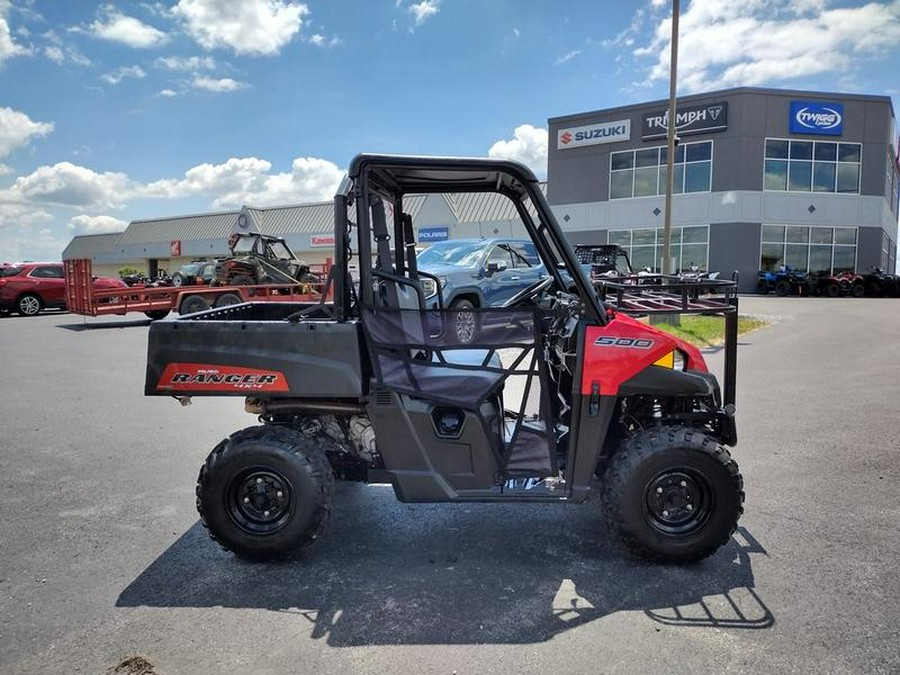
593	134
429	234
823	119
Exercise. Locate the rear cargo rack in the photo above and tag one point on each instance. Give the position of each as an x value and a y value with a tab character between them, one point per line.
655	294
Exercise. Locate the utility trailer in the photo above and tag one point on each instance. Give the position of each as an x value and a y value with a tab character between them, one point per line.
157	302
559	392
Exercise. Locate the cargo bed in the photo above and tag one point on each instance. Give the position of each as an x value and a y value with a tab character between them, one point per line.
272	349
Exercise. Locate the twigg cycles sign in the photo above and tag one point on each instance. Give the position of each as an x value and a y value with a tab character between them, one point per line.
824	119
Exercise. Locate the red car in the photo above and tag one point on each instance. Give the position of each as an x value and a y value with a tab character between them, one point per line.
30	287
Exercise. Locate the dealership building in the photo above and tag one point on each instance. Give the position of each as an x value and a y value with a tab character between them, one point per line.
762	177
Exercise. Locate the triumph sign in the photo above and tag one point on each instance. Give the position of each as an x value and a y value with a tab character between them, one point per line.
694	119
593	134
825	119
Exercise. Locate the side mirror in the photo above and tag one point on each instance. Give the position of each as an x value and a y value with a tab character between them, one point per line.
496	266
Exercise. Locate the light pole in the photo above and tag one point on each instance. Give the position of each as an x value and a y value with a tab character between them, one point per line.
670	156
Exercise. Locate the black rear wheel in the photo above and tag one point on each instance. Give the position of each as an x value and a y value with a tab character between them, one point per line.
228	299
193	303
782	288
265	492
673	494
156	314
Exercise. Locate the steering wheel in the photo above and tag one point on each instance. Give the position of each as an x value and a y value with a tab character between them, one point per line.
529	292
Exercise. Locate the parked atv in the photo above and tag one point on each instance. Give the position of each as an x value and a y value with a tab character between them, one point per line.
880	284
558	393
784	281
261	259
837	284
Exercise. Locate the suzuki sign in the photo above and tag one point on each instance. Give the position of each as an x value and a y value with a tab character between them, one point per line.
824	119
593	134
693	119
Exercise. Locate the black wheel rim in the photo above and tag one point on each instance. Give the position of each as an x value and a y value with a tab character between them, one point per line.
678	502
260	501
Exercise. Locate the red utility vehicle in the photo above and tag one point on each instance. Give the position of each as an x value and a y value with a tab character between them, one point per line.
557	392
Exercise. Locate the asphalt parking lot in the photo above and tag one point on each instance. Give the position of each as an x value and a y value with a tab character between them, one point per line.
102	557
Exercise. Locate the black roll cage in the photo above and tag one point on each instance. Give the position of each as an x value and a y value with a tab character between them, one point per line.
391	177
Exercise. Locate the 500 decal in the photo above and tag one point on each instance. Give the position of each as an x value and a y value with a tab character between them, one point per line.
631	343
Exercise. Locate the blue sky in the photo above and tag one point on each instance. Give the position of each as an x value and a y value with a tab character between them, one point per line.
113	111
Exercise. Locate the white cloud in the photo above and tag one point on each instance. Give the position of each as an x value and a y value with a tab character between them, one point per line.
167	93
84	224
118	27
319	40
762	41
568	57
17	129
528	145
8	48
120	74
55	54
5	170
422	11
67	184
224	84
186	63
253	27
248	180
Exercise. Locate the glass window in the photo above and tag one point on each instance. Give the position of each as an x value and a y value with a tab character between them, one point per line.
796	256
648	157
844	258
823	177
820	235
801	149
693	255
776	175
776	149
772	256
698	152
620	237
849	152
54	272
649	171
622	160
848	177
694	235
643	236
799	176
788	166
826	152
620	184
643	256
773	233
696	177
845	235
797	235
819	259
645	181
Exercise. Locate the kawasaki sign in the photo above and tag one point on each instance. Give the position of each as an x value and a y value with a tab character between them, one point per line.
824	119
692	119
593	134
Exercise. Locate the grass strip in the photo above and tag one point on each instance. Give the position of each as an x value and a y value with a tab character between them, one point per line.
709	331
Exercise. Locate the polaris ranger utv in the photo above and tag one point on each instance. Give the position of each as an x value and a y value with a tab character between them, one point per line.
558	391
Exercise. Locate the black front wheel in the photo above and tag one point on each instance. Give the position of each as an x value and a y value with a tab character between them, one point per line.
192	304
673	494
265	492
464	321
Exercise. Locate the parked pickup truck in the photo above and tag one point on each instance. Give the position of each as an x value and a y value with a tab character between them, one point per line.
475	273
